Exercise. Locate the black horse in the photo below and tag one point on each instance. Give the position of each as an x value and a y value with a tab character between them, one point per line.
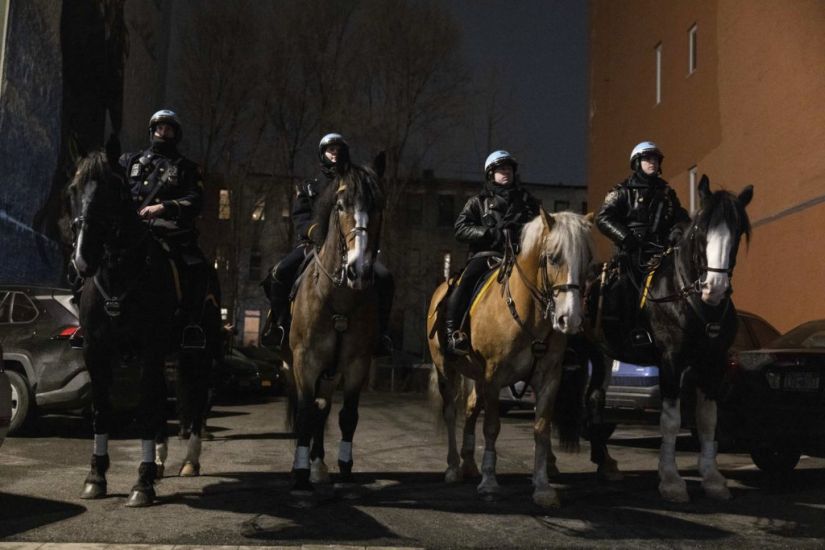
686	308
128	307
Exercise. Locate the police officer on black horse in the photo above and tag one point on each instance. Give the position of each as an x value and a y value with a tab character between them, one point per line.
167	189
643	217
333	153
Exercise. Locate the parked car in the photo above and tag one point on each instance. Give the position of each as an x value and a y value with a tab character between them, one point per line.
236	375
44	371
268	364
5	401
773	399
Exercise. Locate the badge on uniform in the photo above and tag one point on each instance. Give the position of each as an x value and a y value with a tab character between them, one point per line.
135	170
173	171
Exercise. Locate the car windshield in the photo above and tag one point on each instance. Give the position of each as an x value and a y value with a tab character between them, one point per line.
809	335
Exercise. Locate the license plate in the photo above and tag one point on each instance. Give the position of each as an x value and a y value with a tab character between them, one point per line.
266	383
804	381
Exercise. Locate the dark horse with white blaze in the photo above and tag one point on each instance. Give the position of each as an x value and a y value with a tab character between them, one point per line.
128	308
687	309
334	323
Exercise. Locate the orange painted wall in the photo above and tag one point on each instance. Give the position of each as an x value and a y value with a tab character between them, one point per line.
752	113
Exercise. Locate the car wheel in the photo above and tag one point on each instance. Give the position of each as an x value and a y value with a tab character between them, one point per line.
775	459
21	402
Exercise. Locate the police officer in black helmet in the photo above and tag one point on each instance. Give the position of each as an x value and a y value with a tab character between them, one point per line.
167	190
333	153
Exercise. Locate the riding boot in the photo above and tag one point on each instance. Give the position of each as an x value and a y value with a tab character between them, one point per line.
95	484
275	335
457	342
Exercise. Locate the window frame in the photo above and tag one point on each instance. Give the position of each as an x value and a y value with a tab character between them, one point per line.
692	48
659	54
15	294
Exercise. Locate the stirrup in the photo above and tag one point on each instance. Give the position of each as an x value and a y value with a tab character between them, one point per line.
457	344
192	337
274	337
640	338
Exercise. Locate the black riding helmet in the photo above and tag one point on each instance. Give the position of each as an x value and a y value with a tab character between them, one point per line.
168	117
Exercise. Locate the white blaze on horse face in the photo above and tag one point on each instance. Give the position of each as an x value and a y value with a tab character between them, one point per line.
359	257
716	284
568	318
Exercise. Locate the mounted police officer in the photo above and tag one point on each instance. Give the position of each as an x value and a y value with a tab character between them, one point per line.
643	217
333	155
501	209
167	189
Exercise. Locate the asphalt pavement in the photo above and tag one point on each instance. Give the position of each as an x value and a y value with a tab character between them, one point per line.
399	500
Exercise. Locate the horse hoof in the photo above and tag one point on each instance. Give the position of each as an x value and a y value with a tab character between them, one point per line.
469	470
318	473
718	492
674	493
189	469
161	469
553	471
609	471
547	498
302	487
93	490
140	497
452	475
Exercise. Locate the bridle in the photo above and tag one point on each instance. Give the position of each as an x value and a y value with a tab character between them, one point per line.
338	276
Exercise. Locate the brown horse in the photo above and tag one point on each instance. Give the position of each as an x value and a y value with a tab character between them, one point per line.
334	324
517	327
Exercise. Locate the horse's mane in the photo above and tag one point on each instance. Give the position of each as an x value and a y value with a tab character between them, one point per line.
569	237
355	185
719	207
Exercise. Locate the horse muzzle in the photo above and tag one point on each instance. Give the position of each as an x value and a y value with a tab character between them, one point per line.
359	279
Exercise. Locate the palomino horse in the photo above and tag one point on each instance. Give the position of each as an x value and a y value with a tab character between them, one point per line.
127	307
518	329
687	310
334	323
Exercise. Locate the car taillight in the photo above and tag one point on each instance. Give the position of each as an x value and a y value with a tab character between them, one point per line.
67	333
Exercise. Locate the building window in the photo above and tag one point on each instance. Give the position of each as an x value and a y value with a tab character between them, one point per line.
415	208
658	73
692	49
560	206
221	258
584	207
224	209
251	327
255	265
259	210
692	183
446	210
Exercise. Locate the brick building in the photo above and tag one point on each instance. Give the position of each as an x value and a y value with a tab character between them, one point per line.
732	89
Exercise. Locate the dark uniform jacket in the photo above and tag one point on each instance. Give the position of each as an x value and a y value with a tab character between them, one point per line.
173	181
484	217
648	211
303	207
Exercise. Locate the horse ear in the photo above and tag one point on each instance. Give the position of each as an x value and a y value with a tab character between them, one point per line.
704	187
379	164
746	195
547	218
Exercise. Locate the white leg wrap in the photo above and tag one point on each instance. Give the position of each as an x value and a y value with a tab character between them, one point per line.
101	444
468	446
147	448
488	463
301	461
345	451
161	452
193	449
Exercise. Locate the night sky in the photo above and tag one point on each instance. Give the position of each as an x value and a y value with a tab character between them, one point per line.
538	49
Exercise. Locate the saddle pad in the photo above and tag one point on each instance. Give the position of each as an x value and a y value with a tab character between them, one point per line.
481	288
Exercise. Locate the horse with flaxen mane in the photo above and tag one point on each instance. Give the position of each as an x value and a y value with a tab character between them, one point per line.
687	310
518	328
127	308
335	323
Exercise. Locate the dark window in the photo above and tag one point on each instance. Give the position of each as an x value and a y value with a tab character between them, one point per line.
763	332
584	207
446	210
23	310
415	208
559	206
255	265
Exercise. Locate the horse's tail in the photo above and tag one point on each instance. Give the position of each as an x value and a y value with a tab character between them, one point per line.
569	407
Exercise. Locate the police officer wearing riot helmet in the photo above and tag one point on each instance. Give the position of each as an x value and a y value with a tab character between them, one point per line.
333	155
167	190
501	208
642	214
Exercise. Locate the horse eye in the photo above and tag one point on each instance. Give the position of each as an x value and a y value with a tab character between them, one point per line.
555	259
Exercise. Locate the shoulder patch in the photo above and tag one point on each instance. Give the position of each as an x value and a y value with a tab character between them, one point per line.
135	171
